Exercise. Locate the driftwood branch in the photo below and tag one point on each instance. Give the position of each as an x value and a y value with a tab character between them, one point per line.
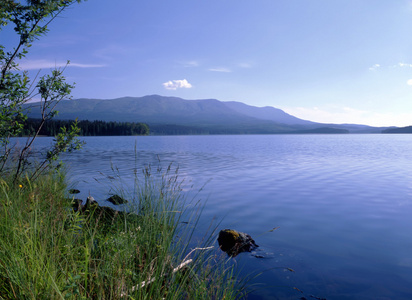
185	262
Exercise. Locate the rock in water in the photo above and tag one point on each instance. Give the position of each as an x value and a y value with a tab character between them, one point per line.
90	202
234	242
116	200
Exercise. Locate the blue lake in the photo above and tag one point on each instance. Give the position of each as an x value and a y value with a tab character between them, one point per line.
343	203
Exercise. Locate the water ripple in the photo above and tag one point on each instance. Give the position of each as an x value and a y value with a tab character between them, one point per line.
343	202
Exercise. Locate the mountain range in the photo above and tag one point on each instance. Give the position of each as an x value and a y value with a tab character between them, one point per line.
173	115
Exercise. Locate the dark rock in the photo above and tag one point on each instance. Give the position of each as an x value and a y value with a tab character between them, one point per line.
90	203
116	200
105	216
234	242
74	191
105	213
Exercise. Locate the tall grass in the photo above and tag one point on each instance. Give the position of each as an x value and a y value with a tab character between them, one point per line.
49	251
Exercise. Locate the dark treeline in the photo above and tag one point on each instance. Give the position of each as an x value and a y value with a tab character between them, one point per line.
171	129
407	129
88	128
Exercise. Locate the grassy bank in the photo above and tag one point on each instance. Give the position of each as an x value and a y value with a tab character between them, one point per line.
50	251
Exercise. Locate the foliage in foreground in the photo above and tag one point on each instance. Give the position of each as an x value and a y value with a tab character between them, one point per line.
49	251
29	20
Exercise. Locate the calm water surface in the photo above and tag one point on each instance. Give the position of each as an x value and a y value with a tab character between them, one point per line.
343	203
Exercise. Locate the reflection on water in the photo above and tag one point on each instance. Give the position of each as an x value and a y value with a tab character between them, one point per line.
343	203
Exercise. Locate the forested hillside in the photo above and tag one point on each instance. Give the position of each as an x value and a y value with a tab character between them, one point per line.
407	129
88	128
173	115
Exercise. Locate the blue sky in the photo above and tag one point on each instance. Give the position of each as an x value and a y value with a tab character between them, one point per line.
337	61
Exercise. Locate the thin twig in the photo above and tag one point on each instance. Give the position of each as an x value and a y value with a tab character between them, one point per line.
207	248
180	266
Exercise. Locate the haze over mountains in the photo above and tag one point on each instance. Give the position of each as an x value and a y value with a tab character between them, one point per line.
209	116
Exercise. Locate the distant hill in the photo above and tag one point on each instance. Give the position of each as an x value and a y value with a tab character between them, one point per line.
266	113
208	116
407	129
323	130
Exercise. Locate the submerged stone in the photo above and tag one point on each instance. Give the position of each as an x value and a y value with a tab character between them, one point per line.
105	214
116	200
234	242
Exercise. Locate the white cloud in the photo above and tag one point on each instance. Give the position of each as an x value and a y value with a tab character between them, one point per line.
223	70
398	65
403	65
46	64
342	115
177	84
189	64
409	82
375	67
